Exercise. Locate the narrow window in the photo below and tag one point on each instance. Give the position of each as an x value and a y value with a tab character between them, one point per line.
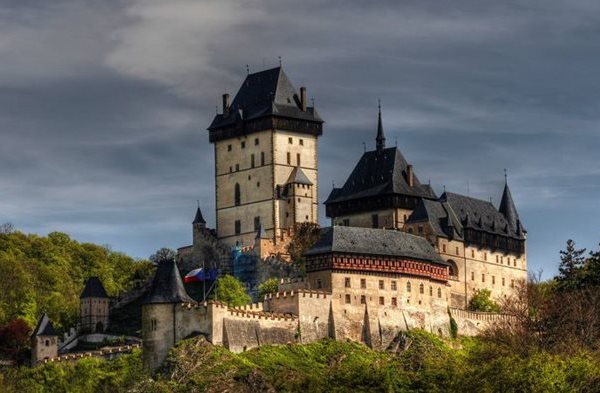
256	142
443	248
301	142
394	287
515	262
381	284
47	343
363	299
237	167
228	147
493	280
252	160
503	281
496	258
512	283
472	276
420	229
230	169
256	223
319	284
381	301
457	253
257	184
421	288
482	277
289	158
347	299
375	221
430	291
262	158
408	286
394	301
363	283
238	227
290	140
298	159
485	256
439	292
472	253
237	194
347	282
243	145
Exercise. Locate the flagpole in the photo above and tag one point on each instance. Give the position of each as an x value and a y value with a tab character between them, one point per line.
203	282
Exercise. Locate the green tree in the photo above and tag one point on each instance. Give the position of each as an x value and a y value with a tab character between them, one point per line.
270	285
482	301
231	291
591	270
163	254
571	267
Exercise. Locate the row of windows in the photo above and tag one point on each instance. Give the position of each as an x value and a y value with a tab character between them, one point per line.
499	258
393	302
393	286
483	277
257	142
252	162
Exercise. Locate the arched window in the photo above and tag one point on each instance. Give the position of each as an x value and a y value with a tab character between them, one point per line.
408	286
237	194
421	288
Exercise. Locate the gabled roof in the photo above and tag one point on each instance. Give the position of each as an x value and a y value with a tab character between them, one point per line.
265	93
44	327
93	288
198	219
298	177
380	173
167	286
371	241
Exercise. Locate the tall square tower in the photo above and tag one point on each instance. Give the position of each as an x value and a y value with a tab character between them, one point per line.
266	147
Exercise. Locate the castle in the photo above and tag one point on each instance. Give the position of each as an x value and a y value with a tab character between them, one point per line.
396	257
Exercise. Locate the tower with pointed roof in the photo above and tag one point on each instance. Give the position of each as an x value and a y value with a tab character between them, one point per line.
381	191
94	307
265	144
44	340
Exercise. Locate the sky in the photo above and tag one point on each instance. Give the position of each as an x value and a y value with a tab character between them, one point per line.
104	106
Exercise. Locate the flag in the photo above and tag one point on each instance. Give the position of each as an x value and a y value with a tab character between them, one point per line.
198	275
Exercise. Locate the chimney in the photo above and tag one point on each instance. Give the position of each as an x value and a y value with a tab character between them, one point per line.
409	175
225	103
303	98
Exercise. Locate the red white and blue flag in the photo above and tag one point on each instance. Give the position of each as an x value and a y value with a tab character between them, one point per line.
200	274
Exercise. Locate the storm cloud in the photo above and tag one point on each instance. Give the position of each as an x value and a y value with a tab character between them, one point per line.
104	106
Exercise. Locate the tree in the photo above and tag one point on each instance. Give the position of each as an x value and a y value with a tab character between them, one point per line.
164	254
570	268
305	236
14	337
231	291
270	285
591	270
7	227
482	301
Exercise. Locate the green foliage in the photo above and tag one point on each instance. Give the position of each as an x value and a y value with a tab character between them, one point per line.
482	301
270	285
231	291
47	274
570	268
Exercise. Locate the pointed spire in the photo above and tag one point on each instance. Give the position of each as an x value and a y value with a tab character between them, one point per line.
380	140
44	327
199	219
507	206
167	286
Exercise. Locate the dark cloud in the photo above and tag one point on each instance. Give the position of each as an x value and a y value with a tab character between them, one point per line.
104	105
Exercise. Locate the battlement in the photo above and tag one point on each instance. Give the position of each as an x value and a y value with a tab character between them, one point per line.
261	315
299	292
104	352
480	316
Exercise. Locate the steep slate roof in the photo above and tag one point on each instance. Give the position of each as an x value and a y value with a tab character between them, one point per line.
167	286
93	288
198	219
380	173
299	177
508	208
44	327
265	93
455	211
371	241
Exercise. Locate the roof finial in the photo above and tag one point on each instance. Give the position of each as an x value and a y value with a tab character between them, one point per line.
247	69
198	202
380	139
279	57
505	176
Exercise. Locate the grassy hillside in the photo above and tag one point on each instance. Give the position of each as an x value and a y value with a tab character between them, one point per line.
426	364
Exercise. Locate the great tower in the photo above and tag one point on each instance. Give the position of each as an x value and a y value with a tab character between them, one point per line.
266	145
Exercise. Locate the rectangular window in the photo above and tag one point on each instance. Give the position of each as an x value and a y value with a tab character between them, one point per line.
375	221
237	167
381	284
262	158
230	169
256	223
443	248
485	256
290	140
394	301
381	301
238	227
496	258
346	222
228	147
363	283
394	286
347	282
503	281
483	278
457	253
420	229
289	158
319	284
252	160
256	142
472	276
472	253
298	159
512	283
301	142
493	280
363	299
347	299
243	145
